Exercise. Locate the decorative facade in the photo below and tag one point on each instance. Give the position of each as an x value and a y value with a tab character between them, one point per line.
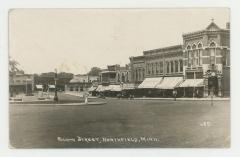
206	54
204	57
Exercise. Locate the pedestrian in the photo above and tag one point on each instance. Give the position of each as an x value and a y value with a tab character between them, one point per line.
175	94
197	93
86	98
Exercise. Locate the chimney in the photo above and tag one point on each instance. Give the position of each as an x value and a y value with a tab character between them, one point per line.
228	25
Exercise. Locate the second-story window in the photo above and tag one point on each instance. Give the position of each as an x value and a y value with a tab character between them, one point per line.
181	65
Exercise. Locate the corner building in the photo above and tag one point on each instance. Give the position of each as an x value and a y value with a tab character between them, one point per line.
198	68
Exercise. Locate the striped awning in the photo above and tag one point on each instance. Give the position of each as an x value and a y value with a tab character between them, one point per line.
150	82
170	82
115	88
39	86
92	89
51	86
127	86
192	83
102	88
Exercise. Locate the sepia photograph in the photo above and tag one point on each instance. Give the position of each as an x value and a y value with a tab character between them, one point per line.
119	78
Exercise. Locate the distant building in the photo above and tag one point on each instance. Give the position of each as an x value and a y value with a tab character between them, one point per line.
137	65
46	79
21	83
82	83
195	68
114	80
115	74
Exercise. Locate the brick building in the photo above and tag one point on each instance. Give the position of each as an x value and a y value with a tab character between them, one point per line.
195	68
114	79
21	83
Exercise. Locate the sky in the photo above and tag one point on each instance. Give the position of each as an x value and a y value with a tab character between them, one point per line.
74	40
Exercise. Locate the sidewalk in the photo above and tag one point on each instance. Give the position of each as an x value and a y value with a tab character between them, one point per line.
79	95
184	99
159	98
59	104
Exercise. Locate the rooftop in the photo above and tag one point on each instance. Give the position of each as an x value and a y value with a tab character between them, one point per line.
163	49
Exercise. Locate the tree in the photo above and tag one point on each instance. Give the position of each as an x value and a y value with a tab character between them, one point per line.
13	67
95	71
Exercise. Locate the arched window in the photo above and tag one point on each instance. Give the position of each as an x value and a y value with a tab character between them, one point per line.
172	67
148	69
123	77
212	52
189	55
194	46
200	45
118	77
136	72
176	66
181	65
200	53
143	72
127	77
212	44
157	68
161	67
152	68
167	67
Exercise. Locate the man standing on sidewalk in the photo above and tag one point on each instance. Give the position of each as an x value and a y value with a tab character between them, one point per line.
175	94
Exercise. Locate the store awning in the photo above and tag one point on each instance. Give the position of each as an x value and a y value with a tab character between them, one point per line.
102	88
192	83
127	86
150	82
92	89
115	88
170	82
51	86
39	86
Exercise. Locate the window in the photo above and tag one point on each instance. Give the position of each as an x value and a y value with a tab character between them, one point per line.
181	65
157	68
194	47
176	66
212	44
143	72
136	74
200	56
199	45
161	67
212	60
167	67
152	68
212	52
172	67
123	78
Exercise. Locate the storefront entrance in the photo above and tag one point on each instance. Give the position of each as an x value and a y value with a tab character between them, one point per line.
213	85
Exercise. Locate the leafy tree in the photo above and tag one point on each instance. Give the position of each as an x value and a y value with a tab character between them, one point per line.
13	67
95	71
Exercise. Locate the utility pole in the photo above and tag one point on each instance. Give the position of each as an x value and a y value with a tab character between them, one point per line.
55	79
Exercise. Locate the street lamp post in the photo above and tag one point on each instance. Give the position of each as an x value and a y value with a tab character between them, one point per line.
55	79
27	86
